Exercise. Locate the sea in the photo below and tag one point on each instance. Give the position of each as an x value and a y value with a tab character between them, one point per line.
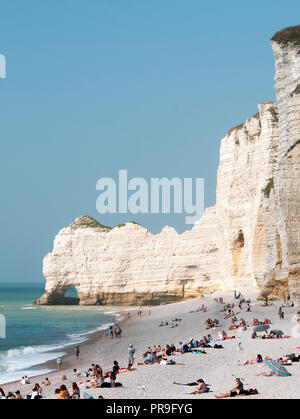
32	335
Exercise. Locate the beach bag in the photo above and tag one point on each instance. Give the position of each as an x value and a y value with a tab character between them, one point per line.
252	391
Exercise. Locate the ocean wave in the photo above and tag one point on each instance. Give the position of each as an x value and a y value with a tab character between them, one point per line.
28	308
15	363
98	329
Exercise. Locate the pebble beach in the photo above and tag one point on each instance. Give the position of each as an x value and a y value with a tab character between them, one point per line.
218	367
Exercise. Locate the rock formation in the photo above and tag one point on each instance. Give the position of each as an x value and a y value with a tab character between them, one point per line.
251	237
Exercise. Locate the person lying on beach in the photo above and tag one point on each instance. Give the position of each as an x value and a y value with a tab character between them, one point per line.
107	384
201	388
129	368
229	315
238	390
266	374
258	360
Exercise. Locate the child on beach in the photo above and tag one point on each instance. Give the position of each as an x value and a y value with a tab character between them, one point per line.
47	382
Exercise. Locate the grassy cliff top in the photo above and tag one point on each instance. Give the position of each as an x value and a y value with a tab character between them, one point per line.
88	222
288	35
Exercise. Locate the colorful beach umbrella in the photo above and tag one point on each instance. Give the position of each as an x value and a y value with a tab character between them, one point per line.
277	368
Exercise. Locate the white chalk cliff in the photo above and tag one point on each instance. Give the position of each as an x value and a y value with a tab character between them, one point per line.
251	237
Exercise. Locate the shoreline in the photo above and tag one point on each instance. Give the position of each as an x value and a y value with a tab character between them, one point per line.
51	365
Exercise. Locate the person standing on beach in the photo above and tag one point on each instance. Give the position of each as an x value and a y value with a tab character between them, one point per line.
77	351
131	352
59	363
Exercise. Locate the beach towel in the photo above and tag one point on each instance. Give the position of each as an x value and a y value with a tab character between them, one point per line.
87	396
188	384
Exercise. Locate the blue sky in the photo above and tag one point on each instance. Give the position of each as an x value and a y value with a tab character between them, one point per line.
94	86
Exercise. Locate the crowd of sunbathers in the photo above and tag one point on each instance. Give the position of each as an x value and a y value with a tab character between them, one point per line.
159	355
95	377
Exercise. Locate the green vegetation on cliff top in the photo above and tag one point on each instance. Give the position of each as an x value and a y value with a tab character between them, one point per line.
288	35
88	222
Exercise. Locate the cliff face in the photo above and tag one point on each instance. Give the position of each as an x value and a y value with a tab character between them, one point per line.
286	46
250	238
129	265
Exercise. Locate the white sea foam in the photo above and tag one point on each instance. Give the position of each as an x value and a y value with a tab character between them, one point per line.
29	308
17	362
